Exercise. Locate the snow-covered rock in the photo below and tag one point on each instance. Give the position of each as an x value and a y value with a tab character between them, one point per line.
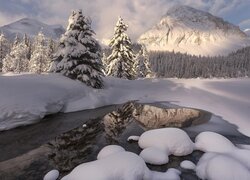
170	140
31	27
109	150
133	138
213	142
154	156
188	165
213	166
122	165
188	30
51	175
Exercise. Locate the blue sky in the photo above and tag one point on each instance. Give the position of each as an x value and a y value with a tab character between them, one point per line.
139	14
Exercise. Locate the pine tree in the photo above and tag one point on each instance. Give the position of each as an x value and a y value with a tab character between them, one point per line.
4	49
79	54
142	63
104	63
121	60
40	60
17	60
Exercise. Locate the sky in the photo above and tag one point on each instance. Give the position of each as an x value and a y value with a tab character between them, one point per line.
140	15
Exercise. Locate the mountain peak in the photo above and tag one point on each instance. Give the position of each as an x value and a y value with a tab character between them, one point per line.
188	30
31	27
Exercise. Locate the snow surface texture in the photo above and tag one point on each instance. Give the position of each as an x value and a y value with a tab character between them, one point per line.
120	165
51	175
27	98
188	30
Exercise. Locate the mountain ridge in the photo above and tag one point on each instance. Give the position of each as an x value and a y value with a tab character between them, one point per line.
31	27
188	30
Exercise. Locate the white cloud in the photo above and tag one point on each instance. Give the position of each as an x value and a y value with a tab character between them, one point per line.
7	18
139	14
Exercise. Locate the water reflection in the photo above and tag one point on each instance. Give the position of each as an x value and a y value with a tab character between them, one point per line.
83	143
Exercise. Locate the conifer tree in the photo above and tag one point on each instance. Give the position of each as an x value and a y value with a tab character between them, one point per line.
79	54
17	60
104	63
121	60
40	60
4	49
142	63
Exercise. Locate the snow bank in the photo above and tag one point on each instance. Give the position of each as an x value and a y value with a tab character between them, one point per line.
170	140
26	98
109	150
120	165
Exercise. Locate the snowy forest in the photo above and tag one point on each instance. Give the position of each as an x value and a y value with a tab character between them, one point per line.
172	64
123	58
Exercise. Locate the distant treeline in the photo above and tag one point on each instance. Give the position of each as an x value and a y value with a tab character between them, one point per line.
171	64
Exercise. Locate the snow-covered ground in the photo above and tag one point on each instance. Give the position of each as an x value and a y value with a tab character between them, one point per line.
26	98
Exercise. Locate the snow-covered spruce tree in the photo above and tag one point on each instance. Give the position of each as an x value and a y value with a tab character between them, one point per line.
104	63
40	60
17	60
4	49
121	60
142	64
79	54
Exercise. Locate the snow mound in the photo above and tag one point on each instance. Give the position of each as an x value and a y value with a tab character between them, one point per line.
109	150
188	165
154	156
122	165
213	142
214	166
172	140
51	175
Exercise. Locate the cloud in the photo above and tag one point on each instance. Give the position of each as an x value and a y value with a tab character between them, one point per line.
139	14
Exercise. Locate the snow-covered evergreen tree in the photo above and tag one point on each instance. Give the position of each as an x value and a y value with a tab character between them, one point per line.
142	63
4	49
104	63
121	60
17	60
40	60
79	54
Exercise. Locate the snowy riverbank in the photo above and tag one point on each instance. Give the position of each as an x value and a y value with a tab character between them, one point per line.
27	98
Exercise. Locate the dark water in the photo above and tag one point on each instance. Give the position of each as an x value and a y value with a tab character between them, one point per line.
63	142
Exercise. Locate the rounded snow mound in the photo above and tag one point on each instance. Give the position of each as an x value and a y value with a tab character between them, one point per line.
188	165
172	140
51	175
213	142
109	150
154	156
221	166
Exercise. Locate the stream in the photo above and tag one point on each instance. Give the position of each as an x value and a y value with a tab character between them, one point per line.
63	141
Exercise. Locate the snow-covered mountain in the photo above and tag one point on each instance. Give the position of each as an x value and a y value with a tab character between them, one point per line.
188	30
247	31
31	27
